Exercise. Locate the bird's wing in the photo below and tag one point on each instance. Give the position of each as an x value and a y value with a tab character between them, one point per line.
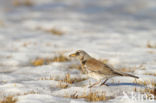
99	67
102	68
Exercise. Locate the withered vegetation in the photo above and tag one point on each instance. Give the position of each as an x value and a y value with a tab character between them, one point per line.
62	85
55	31
70	80
147	91
145	83
67	79
23	3
45	61
153	74
150	45
91	96
13	98
9	99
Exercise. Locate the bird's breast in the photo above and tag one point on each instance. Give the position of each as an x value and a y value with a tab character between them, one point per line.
95	76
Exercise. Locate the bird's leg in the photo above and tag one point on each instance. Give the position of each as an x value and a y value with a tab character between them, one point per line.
94	84
104	82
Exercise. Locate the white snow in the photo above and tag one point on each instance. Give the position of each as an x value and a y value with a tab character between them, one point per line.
117	31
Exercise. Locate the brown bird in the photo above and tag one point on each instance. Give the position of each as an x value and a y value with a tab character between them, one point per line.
96	69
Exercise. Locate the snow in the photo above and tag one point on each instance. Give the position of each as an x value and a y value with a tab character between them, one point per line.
118	31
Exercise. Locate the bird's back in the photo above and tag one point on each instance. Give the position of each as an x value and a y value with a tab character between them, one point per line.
98	67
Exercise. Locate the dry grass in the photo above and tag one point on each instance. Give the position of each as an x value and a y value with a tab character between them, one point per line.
91	96
150	45
55	31
145	83
70	80
38	62
30	92
62	85
9	99
153	74
45	61
13	99
151	91
23	3
142	82
60	58
47	78
147	91
67	79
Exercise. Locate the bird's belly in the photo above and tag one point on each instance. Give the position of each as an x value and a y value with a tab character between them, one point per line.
96	76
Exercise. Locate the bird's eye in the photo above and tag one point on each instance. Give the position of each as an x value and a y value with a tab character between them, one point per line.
77	53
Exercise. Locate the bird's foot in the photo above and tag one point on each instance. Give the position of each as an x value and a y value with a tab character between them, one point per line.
93	85
104	84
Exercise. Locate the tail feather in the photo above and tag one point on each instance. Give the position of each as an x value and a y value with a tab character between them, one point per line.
126	74
130	75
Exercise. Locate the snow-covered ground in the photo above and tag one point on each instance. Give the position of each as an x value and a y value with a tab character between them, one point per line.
123	32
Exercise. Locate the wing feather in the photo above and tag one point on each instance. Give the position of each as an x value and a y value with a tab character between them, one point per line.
99	67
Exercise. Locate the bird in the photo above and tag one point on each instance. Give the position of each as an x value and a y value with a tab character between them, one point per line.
97	69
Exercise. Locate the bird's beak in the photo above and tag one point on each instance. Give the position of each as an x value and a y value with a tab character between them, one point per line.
72	55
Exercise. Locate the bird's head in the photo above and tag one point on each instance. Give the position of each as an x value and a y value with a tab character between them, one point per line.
80	54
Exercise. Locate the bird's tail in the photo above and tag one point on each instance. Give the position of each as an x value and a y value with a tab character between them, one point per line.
126	74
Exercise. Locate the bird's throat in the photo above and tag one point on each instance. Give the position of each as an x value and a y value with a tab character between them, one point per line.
83	62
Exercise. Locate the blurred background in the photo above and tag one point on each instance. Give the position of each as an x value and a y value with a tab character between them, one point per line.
109	28
84	15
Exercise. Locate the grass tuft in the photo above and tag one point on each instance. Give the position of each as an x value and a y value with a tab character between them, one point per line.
23	3
94	96
47	78
62	85
70	80
38	62
151	91
91	96
45	61
9	99
145	83
30	92
150	45
67	79
12	99
60	58
153	74
55	31
148	91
